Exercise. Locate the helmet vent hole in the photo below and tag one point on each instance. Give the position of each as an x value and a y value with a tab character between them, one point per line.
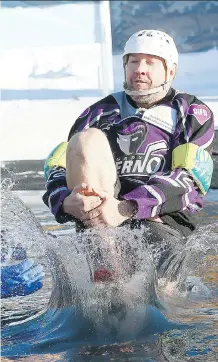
141	33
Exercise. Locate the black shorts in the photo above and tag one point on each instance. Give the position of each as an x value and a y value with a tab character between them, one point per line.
163	240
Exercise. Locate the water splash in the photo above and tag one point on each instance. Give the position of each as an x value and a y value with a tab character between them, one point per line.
195	287
19	223
73	259
107	305
119	308
9	180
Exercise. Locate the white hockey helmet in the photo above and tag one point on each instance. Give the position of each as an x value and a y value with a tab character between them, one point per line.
152	42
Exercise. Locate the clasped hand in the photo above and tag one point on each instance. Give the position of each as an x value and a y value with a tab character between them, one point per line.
95	208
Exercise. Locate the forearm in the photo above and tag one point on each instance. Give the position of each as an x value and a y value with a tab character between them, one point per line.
54	201
57	191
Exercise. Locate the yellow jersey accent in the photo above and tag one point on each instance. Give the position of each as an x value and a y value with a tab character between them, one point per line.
197	161
57	158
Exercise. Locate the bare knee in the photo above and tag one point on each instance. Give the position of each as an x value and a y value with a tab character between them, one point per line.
88	142
89	153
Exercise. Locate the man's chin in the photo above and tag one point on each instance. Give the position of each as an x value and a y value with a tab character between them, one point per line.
139	88
139	99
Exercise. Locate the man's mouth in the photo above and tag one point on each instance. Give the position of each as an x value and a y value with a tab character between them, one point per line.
139	81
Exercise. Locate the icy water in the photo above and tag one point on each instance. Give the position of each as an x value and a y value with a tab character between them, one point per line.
135	318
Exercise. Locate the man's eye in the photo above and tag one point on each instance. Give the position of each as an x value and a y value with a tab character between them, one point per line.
124	139
134	139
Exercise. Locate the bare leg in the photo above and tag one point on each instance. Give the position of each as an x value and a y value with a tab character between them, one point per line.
90	160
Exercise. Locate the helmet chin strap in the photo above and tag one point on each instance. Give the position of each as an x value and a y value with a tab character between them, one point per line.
162	87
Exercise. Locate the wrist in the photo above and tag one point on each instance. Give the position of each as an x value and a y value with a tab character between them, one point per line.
62	215
64	205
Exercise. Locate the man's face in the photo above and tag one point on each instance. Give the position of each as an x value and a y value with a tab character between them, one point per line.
145	71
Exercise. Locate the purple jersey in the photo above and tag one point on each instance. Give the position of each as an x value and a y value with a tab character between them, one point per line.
142	142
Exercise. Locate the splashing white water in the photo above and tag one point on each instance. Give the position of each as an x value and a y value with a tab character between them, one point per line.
119	303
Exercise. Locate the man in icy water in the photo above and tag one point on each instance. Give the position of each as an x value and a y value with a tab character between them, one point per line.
138	157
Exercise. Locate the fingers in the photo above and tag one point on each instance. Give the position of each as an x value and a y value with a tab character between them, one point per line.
91	203
93	219
91	215
88	190
77	204
102	194
81	187
85	201
85	189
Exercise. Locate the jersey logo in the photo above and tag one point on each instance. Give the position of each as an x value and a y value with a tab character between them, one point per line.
148	163
140	159
162	116
200	112
131	133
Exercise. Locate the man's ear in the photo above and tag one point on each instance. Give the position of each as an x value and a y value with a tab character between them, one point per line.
173	71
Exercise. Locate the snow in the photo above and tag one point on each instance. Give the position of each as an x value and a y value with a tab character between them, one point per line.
55	25
31	129
51	72
57	67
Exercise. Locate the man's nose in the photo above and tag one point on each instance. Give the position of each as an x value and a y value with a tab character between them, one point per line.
142	68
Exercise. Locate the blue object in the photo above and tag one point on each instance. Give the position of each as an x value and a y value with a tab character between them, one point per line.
11	252
21	279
